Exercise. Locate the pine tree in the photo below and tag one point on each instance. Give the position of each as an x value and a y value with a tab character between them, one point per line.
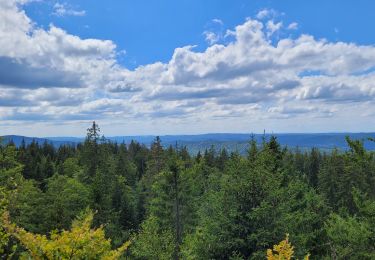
157	161
91	157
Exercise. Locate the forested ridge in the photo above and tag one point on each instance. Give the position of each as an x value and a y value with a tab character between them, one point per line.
105	200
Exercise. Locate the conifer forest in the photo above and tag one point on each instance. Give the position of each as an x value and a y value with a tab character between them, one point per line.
105	200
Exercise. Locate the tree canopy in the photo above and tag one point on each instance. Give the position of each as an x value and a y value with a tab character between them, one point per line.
89	201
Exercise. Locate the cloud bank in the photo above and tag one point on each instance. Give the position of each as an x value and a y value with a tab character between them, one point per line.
253	76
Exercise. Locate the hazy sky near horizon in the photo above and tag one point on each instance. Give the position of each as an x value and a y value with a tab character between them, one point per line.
185	67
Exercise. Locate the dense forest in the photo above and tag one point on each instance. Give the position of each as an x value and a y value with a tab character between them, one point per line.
104	200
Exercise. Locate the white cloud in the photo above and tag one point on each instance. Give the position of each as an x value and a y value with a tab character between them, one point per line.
211	37
263	13
44	53
293	26
250	70
273	27
63	9
218	21
215	31
266	13
248	80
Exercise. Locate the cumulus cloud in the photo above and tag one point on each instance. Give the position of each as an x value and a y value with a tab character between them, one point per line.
20	73
252	70
33	50
273	27
52	62
211	37
49	74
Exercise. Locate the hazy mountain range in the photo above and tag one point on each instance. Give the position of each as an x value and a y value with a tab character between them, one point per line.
232	142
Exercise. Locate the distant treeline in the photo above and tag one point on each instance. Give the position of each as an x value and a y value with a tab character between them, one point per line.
231	142
164	203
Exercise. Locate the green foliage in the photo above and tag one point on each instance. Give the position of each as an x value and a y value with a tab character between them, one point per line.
173	206
349	238
70	167
28	207
153	242
4	236
65	198
10	180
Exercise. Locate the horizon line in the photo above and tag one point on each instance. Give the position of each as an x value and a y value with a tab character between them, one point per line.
198	134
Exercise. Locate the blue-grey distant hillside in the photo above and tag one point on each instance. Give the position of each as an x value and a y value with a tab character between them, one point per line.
17	140
232	142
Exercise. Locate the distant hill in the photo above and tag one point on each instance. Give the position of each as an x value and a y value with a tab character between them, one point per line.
232	142
17	140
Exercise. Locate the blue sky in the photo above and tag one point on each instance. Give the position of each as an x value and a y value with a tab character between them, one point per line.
150	30
174	67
